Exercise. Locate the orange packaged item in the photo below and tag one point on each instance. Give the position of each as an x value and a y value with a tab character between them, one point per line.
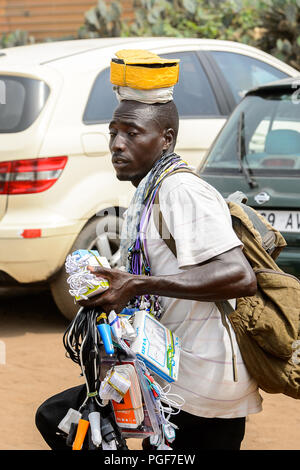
129	412
82	429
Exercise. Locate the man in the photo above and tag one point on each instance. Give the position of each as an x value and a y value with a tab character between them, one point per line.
209	266
180	288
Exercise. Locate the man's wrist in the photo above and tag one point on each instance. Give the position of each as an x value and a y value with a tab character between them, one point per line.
141	284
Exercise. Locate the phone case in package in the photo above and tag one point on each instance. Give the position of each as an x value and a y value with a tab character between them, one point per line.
129	412
156	346
136	414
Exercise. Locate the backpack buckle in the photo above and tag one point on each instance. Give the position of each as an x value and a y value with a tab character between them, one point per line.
268	242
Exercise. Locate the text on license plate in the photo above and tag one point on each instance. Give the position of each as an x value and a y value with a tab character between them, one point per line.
284	221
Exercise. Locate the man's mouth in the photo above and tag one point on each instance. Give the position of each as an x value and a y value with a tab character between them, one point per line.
119	161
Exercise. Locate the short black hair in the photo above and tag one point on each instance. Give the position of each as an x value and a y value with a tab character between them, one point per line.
164	114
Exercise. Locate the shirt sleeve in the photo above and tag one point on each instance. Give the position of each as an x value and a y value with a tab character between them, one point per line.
198	218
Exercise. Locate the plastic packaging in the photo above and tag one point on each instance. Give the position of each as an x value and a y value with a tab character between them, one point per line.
94	419
84	284
157	346
72	416
82	429
149	422
105	333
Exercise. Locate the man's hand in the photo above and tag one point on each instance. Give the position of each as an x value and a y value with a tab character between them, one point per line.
117	296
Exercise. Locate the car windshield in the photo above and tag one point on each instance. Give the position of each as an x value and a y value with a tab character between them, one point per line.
21	101
263	133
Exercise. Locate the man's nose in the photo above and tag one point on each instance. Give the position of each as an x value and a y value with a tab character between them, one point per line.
118	143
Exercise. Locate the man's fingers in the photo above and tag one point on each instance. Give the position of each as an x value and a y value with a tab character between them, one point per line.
93	302
99	271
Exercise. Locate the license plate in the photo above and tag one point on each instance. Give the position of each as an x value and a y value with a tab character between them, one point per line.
284	221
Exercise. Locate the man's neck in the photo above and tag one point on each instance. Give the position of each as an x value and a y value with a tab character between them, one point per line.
137	181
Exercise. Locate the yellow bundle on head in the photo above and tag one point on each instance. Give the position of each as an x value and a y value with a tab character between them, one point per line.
143	70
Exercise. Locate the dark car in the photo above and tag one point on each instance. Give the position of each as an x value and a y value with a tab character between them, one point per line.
258	152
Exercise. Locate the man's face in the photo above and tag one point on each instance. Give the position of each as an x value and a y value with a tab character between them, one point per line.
136	141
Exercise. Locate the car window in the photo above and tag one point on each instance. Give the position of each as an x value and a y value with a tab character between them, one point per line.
257	142
243	73
102	100
269	135
193	94
21	101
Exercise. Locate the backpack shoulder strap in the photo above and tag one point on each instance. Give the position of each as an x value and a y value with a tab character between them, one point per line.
268	236
225	308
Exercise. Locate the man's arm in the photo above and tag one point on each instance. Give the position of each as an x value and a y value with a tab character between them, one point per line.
225	276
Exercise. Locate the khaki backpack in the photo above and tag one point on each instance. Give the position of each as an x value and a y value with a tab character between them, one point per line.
267	324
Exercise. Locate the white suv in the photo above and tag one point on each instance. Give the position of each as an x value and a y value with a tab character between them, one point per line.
58	190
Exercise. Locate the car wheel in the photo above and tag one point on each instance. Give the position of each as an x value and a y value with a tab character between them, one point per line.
102	234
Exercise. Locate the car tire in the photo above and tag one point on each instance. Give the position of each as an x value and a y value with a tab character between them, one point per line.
100	233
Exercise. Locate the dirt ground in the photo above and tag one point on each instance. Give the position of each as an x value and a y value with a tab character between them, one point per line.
33	367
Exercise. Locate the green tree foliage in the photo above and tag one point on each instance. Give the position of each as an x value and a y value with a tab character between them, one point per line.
16	38
271	25
281	36
102	21
227	19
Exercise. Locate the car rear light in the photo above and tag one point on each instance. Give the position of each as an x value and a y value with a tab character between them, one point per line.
30	176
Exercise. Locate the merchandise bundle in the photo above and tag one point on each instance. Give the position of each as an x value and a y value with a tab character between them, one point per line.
124	359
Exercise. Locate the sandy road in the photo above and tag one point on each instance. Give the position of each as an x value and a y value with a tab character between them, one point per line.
35	367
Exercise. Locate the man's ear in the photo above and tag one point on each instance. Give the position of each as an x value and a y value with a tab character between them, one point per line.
169	136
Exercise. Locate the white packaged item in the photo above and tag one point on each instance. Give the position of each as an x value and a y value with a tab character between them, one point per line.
156	345
84	284
72	416
115	324
127	330
115	385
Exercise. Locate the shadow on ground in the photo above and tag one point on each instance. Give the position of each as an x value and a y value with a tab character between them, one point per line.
23	311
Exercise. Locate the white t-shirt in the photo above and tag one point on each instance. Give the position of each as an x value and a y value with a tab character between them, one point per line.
199	220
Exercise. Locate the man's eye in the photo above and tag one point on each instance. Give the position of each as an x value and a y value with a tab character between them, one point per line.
132	134
112	133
